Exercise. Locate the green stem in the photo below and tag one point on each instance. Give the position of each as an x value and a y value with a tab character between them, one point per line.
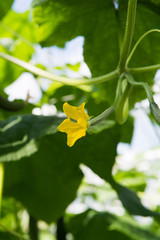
144	69
108	111
138	42
101	117
128	35
119	30
1	183
63	80
145	85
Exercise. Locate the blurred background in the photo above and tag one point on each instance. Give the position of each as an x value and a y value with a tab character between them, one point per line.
137	163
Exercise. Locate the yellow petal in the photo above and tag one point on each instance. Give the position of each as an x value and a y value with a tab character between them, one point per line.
67	126
74	130
82	122
74	136
82	112
75	112
71	111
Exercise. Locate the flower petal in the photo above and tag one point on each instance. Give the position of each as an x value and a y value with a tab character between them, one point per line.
71	111
68	126
82	122
75	112
74	136
74	129
83	114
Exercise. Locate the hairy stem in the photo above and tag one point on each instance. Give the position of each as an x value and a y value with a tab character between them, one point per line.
128	35
64	80
102	116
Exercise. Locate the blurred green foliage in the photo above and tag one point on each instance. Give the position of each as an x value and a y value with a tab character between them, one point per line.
42	175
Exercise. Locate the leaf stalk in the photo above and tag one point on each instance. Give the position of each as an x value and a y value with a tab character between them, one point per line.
128	35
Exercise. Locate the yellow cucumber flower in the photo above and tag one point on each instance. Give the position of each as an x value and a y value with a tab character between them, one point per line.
76	124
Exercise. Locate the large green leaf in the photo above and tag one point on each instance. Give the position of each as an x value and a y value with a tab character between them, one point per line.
4	114
41	180
20	135
45	183
92	225
24	135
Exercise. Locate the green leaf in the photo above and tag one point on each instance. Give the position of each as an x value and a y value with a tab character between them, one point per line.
7	236
132	202
20	135
24	135
74	67
127	130
101	126
100	151
41	180
26	110
9	210
5	6
132	179
44	183
92	225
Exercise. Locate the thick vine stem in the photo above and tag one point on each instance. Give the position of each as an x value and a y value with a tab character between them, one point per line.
64	80
128	35
101	117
